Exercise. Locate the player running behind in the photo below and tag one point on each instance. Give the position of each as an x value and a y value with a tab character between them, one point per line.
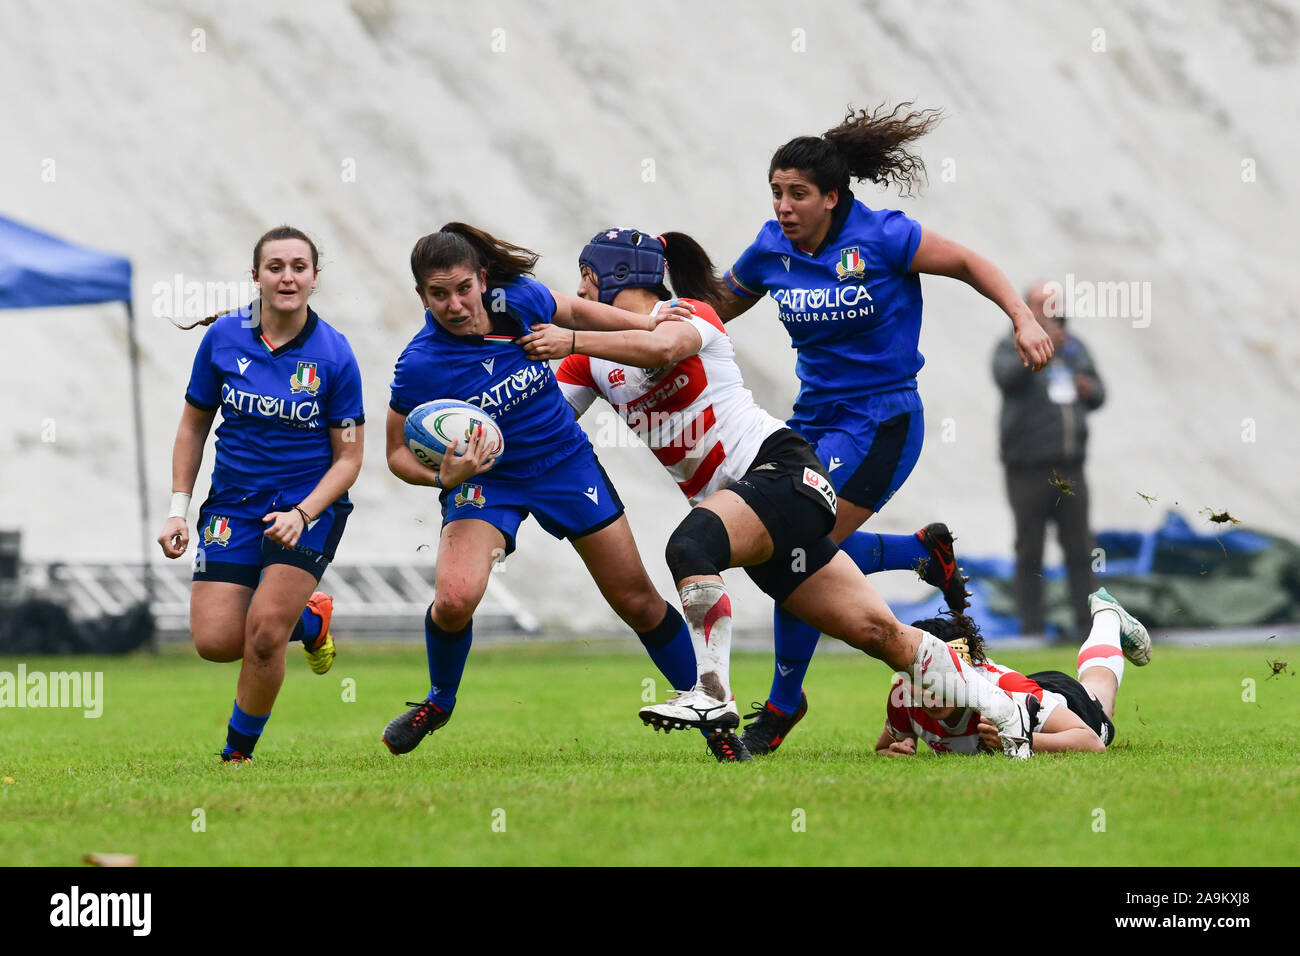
846	282
478	299
288	449
1068	714
761	499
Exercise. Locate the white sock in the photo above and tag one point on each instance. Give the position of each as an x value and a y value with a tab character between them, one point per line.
1102	648
948	680
707	609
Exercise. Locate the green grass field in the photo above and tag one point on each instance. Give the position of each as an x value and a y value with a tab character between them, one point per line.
545	744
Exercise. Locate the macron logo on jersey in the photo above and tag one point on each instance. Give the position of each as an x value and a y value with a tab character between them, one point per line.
834	463
593	494
487	366
243	364
785	261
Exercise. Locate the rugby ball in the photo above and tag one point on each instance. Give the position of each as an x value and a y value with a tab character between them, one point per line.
432	427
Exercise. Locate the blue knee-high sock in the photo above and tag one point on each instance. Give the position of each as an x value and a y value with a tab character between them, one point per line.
308	627
795	643
884	552
447	653
243	731
669	646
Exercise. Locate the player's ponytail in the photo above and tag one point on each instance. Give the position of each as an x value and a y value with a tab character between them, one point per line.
866	145
690	270
460	244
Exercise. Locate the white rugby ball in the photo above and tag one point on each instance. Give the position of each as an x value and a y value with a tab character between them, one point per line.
432	427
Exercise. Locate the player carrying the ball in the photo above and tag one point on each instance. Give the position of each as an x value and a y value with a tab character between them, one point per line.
478	299
761	498
288	449
1068	714
846	281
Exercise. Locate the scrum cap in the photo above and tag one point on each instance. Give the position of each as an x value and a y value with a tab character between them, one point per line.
625	259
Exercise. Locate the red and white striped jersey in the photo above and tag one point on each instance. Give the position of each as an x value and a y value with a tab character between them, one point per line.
959	733
697	416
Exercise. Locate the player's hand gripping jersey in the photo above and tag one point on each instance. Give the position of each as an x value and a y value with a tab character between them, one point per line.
959	733
697	416
852	308
277	405
495	374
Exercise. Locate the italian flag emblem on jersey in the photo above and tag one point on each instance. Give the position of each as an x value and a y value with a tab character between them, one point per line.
217	531
850	264
305	379
470	495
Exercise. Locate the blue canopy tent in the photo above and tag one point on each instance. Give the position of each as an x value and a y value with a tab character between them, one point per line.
39	270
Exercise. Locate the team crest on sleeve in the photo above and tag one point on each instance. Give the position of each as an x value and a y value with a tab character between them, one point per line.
470	495
850	265
217	531
305	379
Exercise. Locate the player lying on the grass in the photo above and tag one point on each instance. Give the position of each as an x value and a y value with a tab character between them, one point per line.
1068	714
288	449
761	498
478	300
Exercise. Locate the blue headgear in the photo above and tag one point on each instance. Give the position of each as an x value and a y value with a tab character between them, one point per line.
625	259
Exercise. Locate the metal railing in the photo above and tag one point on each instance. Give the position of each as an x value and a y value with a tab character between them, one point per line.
375	598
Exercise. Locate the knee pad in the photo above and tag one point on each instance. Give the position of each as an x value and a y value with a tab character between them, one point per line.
700	545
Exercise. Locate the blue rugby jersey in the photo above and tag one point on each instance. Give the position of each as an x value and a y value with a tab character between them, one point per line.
520	395
852	309
276	406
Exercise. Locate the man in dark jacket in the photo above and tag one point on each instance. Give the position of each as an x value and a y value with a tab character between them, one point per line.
1044	437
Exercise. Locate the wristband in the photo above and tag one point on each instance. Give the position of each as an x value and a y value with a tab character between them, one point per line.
573	346
305	520
180	505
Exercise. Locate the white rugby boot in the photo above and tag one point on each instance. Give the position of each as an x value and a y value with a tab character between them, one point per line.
692	708
1134	640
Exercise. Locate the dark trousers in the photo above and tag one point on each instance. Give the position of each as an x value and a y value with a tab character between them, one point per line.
1035	499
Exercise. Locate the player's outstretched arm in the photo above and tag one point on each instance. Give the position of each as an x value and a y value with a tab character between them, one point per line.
664	346
1063	732
938	256
187	456
572	312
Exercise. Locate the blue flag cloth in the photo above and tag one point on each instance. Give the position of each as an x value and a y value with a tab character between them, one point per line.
37	269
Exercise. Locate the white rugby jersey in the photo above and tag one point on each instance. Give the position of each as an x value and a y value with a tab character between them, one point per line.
697	416
960	732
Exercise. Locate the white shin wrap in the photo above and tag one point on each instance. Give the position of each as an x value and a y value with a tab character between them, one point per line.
946	680
707	609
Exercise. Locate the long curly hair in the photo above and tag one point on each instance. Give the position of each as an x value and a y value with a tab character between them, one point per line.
951	628
868	144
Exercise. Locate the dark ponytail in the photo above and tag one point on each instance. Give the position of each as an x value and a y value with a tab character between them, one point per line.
690	270
460	244
866	145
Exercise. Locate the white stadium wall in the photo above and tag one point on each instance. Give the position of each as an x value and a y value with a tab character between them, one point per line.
1159	151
